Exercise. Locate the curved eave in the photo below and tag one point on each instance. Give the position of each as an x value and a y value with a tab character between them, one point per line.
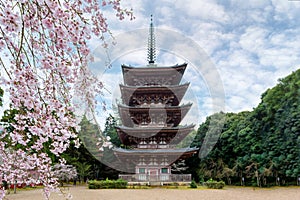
132	156
172	154
125	132
132	75
176	133
177	67
179	151
131	130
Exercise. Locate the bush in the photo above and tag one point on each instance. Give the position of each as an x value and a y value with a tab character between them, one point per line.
193	184
108	184
214	184
92	185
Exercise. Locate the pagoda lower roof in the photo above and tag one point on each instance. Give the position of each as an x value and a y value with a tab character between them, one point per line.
133	136
133	156
171	94
156	151
153	75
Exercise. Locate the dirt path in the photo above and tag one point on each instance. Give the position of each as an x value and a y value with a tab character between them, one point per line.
238	193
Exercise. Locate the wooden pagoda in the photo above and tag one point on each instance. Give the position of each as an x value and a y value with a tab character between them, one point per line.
151	114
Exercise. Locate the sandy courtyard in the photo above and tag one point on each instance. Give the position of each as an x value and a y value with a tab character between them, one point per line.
238	193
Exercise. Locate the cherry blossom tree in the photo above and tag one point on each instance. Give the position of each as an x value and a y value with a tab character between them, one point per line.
44	56
64	172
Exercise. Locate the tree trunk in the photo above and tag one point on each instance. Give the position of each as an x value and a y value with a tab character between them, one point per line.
257	178
15	187
228	180
265	181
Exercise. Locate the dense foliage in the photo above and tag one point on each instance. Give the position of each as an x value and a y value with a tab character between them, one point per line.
261	147
110	130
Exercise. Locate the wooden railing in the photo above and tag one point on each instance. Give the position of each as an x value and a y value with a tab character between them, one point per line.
156	178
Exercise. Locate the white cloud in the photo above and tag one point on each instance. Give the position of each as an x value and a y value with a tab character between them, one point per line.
286	10
204	10
253	39
249	5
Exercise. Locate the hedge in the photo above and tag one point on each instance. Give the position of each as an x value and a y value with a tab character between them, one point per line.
214	184
107	184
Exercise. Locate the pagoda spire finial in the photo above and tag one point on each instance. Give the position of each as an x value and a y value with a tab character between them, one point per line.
151	44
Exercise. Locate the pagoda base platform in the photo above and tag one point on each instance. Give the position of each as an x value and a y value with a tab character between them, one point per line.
161	179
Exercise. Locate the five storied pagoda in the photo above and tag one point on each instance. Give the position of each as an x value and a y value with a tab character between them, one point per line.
151	114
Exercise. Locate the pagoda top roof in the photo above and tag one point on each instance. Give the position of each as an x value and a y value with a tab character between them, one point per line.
153	75
150	68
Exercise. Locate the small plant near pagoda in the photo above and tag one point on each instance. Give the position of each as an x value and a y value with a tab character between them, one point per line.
193	184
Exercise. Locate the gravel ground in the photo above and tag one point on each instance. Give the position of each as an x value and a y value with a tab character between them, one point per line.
229	193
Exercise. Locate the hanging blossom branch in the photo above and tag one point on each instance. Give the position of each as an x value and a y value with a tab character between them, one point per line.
45	42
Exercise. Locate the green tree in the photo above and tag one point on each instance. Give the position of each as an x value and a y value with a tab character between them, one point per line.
83	170
262	145
111	131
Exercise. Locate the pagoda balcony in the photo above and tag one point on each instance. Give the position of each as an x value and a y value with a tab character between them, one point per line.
151	125
155	146
163	178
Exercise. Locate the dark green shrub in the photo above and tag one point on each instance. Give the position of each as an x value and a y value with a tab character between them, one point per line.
120	183
201	181
214	184
108	184
193	184
92	184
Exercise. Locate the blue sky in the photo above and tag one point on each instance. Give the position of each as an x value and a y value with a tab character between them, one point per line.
251	44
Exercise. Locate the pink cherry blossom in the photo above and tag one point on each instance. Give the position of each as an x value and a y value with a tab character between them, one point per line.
45	42
47	23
